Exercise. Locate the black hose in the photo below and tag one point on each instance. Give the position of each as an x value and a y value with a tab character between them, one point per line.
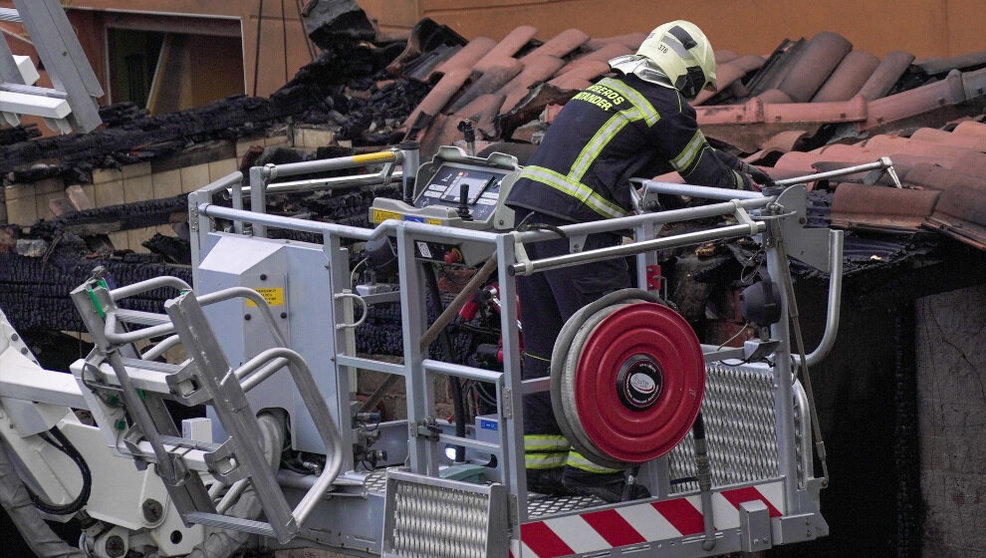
458	405
65	446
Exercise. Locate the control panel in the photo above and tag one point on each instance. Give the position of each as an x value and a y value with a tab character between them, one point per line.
474	189
457	190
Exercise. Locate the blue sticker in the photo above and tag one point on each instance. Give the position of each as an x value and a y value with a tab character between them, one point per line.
415	219
485	424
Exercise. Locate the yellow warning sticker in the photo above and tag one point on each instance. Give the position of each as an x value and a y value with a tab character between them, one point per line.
273	295
380	215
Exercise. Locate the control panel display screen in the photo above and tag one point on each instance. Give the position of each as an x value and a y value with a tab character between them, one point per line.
474	184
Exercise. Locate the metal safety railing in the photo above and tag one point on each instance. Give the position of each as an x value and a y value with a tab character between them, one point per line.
780	212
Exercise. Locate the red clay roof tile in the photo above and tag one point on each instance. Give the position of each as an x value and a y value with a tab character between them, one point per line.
630	40
886	74
468	56
934	135
493	78
579	76
971	163
440	94
730	72
558	46
536	69
819	58
890	145
848	78
508	47
863	206
970	128
960	212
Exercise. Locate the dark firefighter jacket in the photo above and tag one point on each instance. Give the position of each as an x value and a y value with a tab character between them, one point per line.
617	129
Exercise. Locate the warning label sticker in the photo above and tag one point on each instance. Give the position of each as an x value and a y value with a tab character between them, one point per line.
273	295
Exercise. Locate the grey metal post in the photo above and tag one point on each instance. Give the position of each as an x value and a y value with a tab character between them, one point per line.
784	378
258	198
510	399
339	281
653	474
420	391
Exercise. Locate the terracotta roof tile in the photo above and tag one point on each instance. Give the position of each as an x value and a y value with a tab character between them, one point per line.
811	105
536	69
814	64
934	66
861	206
507	48
928	175
604	54
970	128
960	212
494	77
723	56
630	40
440	94
886	74
558	46
848	78
971	163
897	145
468	56
579	76
934	135
730	72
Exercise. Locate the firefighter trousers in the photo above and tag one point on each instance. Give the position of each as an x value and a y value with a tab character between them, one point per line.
547	300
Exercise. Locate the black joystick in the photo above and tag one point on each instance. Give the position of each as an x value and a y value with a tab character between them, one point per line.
463	209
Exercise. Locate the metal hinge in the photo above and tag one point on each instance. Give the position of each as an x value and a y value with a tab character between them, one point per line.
426	428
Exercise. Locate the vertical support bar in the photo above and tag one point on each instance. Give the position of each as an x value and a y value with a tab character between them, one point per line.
198	226
655	475
784	378
510	409
258	199
63	57
343	343
420	392
410	150
237	200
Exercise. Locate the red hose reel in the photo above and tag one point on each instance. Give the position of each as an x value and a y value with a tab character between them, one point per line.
627	379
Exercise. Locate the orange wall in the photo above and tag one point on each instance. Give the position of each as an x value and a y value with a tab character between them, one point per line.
925	28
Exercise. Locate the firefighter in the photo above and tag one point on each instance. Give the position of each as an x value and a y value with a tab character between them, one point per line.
635	124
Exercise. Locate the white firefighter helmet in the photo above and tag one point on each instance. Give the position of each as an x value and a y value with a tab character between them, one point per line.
683	53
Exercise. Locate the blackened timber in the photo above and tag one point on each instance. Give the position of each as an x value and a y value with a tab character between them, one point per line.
123	217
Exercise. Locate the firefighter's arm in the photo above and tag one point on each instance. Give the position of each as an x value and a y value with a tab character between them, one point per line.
761	178
686	148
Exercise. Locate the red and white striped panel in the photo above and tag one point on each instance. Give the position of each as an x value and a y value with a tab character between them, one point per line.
639	523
